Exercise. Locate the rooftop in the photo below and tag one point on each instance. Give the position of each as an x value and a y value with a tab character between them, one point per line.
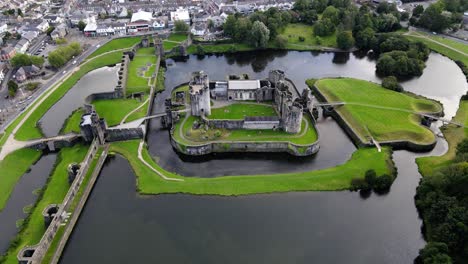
141	15
244	84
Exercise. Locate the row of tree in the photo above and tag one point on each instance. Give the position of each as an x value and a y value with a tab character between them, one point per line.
442	200
20	60
63	54
440	16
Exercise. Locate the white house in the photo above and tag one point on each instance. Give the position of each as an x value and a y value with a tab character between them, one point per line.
3	27
198	29
104	30
180	14
22	45
43	26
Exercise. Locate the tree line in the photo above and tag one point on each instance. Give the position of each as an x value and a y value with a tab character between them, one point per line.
63	54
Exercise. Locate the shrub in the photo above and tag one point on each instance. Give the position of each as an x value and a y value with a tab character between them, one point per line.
301	39
383	183
370	177
391	83
359	184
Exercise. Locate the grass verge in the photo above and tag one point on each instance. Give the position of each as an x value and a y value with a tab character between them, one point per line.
336	178
242	110
115	44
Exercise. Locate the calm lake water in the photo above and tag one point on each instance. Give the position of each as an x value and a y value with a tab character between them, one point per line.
120	226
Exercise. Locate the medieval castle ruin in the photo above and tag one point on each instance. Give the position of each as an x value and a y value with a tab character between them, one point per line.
275	89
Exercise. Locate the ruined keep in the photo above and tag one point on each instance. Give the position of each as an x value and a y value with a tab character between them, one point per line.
199	91
91	126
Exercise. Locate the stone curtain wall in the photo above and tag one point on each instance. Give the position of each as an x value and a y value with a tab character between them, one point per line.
123	134
231	146
41	249
240	124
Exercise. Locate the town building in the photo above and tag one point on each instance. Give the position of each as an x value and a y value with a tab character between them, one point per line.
3	28
7	53
43	26
3	70
59	32
22	45
141	21
180	14
26	72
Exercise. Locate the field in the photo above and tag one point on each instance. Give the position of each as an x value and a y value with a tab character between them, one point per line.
54	192
72	124
190	136
241	110
453	135
115	44
336	178
139	71
116	109
374	111
455	52
174	40
292	32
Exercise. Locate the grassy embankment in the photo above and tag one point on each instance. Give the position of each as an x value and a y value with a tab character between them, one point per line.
72	124
307	135
54	192
173	41
456	55
336	178
30	130
453	135
116	109
12	168
385	114
291	33
241	110
115	44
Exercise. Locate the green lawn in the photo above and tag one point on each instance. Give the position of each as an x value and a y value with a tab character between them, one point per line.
55	190
140	69
30	130
116	109
72	124
141	112
200	136
115	44
453	135
292	32
169	45
12	168
221	48
452	54
242	110
160	80
336	178
173	41
178	37
386	114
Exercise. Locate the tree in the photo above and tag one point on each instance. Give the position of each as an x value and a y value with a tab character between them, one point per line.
383	182
81	25
281	42
331	13
20	60
435	253
324	27
345	40
19	12
260	35
462	147
229	26
50	30
211	24
418	10
391	83
433	19
181	27
370	177
12	88
309	17
365	39
200	50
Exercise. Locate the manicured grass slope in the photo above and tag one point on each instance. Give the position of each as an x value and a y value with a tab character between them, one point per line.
116	109
140	69
387	115
292	32
336	178
241	110
12	168
72	124
55	191
115	44
453	135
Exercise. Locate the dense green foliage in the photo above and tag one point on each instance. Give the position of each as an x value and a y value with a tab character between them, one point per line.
440	15
21	59
81	25
63	54
345	40
12	88
442	199
399	57
181	27
391	83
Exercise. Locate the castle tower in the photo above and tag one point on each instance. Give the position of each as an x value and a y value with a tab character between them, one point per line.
199	90
293	120
275	77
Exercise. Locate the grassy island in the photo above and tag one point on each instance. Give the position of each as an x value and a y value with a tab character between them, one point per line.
372	111
149	180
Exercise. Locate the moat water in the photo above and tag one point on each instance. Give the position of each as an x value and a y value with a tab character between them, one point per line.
120	226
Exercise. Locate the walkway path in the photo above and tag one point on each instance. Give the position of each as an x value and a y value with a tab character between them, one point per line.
140	157
11	144
419	35
133	111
